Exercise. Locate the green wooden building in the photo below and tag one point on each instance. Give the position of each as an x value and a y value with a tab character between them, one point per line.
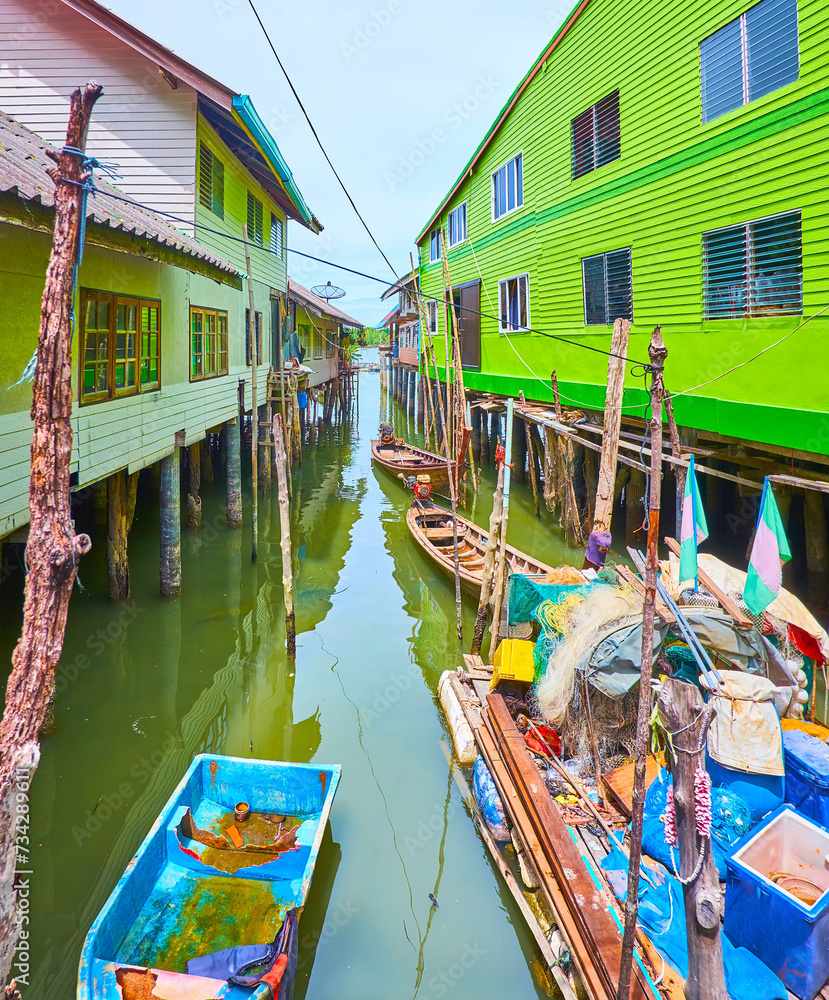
663	162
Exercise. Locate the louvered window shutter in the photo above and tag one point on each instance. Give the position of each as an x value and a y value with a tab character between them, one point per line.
754	269
749	57
205	177
522	302
218	188
504	292
607	134
618	285
595	306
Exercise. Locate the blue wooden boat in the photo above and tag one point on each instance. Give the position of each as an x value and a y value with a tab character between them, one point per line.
210	881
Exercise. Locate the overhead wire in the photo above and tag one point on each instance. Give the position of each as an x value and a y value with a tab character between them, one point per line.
319	141
645	366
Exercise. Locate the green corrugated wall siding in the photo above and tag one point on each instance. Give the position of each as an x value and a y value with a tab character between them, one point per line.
675	179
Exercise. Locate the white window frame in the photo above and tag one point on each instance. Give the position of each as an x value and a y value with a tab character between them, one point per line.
518	204
503	327
455	210
433	242
432	308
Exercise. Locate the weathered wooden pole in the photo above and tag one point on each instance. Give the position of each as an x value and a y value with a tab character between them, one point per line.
193	498
612	424
531	460
421	417
634	505
264	464
657	353
170	513
285	534
484	436
412	392
118	567
488	572
680	471
682	713
502	558
233	470
254	416
53	549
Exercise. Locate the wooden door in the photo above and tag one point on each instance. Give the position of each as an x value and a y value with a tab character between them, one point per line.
469	325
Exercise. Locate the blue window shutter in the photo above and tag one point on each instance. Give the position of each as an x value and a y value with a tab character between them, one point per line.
771	41
721	71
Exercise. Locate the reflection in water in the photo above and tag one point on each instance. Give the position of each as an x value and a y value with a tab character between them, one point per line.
145	685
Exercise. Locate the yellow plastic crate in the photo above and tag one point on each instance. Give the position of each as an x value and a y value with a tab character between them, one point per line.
513	661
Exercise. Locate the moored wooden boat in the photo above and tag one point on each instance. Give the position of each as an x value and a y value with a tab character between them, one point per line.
431	528
206	879
413	461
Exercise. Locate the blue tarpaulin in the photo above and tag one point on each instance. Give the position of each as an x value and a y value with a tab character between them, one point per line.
662	915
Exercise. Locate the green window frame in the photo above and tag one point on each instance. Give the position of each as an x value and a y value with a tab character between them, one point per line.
120	346
208	343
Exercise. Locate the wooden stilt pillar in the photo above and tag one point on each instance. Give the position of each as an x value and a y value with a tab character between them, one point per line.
421	420
170	509
635	507
206	461
475	412
518	457
817	549
233	445
99	500
193	498
118	569
412	391
783	496
484	417
132	497
264	451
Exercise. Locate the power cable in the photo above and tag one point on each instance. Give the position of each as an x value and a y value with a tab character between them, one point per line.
645	366
319	141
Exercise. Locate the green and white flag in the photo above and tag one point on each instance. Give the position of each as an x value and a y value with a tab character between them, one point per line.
768	553
694	528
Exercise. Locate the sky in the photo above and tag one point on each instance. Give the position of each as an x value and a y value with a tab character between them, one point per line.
400	92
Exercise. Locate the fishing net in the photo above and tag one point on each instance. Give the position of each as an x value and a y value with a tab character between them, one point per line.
526	593
604	608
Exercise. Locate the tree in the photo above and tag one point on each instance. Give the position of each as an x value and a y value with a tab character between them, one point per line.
53	548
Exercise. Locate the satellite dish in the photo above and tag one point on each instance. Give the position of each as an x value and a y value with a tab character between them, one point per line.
328	291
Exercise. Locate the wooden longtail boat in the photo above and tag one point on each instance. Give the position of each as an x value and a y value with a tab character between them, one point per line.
413	461
208	878
431	528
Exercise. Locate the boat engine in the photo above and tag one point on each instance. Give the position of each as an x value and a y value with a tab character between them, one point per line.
423	487
386	435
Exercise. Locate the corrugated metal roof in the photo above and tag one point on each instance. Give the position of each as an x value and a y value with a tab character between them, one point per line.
388	319
307	299
23	170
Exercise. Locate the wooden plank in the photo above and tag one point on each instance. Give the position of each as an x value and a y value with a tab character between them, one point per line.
638	585
612	424
619	783
597	932
712	588
797	482
515	890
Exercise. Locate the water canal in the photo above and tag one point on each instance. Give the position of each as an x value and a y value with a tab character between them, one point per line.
144	686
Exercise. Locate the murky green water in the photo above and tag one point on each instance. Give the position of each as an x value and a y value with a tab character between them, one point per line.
144	686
